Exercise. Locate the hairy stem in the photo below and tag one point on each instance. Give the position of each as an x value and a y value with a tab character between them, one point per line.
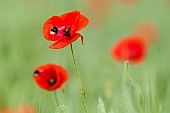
55	98
126	64
82	92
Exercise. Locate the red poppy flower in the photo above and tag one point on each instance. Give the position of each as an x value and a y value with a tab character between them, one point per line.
99	15
6	111
147	30
63	29
132	48
25	109
129	2
50	76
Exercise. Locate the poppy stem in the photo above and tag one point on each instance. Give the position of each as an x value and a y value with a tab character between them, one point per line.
82	92
55	98
126	66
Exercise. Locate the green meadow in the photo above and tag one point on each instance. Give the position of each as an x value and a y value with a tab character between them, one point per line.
23	48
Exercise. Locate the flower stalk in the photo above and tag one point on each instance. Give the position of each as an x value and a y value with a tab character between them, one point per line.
82	92
126	66
55	98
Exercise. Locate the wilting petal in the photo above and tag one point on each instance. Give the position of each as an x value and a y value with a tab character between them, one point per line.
66	41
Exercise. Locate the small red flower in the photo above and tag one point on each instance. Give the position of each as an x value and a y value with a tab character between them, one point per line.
148	31
25	109
132	49
50	76
21	109
129	2
6	111
63	29
99	15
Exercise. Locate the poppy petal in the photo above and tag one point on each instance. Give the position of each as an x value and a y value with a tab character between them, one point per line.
70	18
83	21
63	75
49	24
66	41
80	24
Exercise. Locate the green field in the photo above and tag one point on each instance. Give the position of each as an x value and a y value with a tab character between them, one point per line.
23	48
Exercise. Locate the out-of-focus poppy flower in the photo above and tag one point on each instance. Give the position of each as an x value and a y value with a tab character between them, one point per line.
21	109
25	109
7	111
147	30
0	101
63	29
132	48
50	76
33	1
129	2
97	13
167	2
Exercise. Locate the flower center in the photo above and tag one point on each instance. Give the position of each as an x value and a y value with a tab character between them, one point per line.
67	32
54	30
52	81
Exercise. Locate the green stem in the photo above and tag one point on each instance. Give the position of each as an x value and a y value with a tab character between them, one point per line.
82	92
126	66
57	103
55	98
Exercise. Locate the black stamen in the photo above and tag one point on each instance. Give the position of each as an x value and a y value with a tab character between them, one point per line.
36	73
54	29
52	81
67	32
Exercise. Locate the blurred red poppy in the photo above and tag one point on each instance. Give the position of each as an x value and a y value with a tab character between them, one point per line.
1	101
129	2
50	76
7	111
131	48
21	109
99	15
63	29
147	30
25	109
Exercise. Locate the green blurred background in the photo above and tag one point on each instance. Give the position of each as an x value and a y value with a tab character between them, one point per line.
23	48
